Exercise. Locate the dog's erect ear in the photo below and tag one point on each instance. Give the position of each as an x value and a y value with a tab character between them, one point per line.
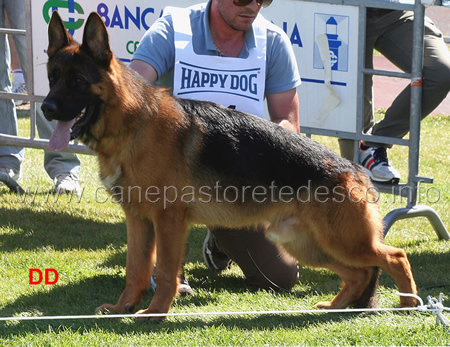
96	40
58	37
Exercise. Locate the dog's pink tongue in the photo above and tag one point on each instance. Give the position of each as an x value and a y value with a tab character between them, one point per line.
61	135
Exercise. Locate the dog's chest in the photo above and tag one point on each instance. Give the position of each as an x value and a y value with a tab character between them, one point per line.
110	173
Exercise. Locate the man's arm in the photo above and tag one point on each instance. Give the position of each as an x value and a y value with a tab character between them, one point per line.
145	70
283	109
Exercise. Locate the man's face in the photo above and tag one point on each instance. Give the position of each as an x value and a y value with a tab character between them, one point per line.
238	17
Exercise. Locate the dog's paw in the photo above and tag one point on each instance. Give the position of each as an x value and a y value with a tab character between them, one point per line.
155	319
105	309
323	305
408	302
108	308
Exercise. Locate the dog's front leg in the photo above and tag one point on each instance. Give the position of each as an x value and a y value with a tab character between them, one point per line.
171	231
140	254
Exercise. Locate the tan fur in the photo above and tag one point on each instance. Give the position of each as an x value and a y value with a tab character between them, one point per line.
143	139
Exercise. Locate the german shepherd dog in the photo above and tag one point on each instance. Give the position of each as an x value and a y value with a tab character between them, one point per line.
238	169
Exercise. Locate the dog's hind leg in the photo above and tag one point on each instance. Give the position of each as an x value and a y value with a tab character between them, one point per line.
358	283
349	243
395	262
355	283
374	254
141	248
368	299
365	249
392	260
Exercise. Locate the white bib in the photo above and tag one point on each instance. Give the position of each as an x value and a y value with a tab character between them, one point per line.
233	82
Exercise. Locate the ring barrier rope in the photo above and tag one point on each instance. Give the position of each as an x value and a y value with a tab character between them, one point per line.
434	306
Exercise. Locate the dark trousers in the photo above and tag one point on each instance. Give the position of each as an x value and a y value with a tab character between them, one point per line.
391	33
265	265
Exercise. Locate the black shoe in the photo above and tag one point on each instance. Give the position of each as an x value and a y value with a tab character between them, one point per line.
184	289
214	258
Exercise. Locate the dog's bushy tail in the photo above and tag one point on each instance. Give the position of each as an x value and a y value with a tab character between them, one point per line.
368	299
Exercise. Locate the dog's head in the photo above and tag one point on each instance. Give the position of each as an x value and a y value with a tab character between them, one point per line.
75	73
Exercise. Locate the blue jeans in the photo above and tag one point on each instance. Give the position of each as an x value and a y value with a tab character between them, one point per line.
11	157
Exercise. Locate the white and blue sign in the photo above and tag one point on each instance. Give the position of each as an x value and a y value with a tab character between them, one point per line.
337	30
303	22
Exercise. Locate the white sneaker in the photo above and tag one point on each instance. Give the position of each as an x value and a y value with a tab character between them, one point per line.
376	163
67	183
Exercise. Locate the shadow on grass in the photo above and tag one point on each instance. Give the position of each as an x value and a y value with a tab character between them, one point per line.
57	229
82	298
126	327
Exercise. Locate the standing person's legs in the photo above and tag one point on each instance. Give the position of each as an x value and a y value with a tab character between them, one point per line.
10	157
55	163
397	45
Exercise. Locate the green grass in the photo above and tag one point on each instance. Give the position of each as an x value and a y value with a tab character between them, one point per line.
85	241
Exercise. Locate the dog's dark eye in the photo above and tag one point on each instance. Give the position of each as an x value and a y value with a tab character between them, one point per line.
78	81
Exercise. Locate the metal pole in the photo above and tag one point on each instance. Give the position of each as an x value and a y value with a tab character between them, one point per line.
416	100
361	76
30	72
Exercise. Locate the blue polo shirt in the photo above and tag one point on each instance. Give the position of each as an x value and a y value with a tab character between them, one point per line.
157	48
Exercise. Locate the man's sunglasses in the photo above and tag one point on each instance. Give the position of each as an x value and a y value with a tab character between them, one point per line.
261	3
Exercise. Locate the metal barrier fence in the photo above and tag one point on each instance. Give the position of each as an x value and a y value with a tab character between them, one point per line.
408	190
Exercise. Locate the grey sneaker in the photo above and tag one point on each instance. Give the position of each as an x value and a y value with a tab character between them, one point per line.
376	163
213	257
67	183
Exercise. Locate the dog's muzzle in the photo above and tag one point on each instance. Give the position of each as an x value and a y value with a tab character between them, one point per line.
49	109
